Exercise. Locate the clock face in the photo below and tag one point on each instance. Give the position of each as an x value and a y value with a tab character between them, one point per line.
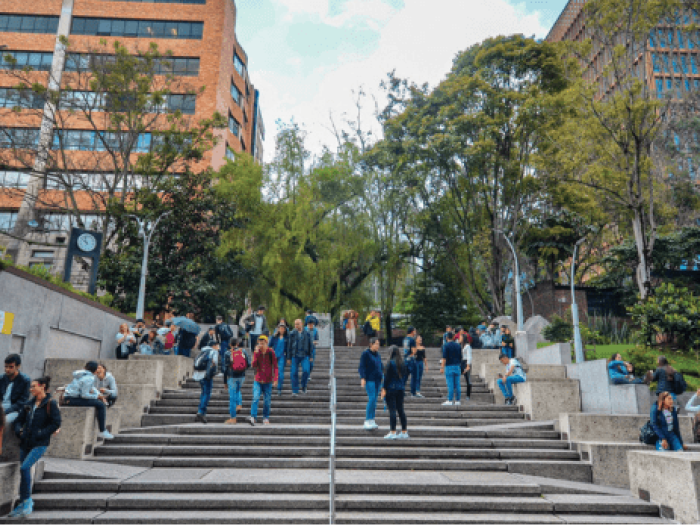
87	242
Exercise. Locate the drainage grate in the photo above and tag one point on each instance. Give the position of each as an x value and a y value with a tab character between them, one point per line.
644	495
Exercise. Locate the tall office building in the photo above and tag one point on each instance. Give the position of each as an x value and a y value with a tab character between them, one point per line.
205	53
670	63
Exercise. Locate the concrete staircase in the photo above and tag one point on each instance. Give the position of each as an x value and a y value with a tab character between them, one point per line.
476	463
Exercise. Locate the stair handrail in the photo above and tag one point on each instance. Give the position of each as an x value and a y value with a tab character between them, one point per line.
331	460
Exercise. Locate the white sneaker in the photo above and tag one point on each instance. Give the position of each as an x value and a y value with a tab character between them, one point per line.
391	436
466	398
447	403
368	425
458	403
403	435
374	425
106	435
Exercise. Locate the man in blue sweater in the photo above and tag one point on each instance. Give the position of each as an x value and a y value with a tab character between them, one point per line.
449	366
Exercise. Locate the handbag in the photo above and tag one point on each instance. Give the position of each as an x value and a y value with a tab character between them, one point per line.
647	435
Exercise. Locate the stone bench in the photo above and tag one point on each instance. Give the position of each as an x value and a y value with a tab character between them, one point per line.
671	480
490	371
78	436
555	354
546	399
176	369
9	486
587	427
600	395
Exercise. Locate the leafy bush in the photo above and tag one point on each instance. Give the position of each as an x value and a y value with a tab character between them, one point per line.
609	330
558	331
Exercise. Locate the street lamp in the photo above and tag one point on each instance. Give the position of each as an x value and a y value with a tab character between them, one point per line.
516	284
145	231
578	346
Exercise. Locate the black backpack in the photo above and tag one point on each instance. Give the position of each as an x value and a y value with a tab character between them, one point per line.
226	331
367	329
679	383
647	435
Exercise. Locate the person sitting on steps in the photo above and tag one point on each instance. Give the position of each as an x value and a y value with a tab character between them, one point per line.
81	392
514	375
664	420
106	384
621	372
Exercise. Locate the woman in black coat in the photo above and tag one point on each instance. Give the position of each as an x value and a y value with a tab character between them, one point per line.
37	421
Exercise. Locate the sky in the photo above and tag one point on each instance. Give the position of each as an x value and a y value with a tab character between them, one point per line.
308	57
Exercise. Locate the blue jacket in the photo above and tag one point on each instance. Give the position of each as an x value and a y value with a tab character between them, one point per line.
82	386
617	369
452	353
658	422
35	431
273	344
300	345
20	391
371	366
392	380
661	375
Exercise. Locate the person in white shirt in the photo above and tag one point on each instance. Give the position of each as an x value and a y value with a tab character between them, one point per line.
514	375
466	363
205	377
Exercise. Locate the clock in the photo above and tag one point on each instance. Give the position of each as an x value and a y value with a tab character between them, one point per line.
87	242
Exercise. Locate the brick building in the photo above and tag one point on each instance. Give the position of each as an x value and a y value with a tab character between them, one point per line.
201	36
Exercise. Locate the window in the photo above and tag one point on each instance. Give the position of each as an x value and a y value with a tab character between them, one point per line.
674	61
659	88
179	66
15	98
680	39
655	61
44	254
142	28
230	155
28	24
234	126
7	220
26	59
14	179
235	94
182	103
694	64
23	138
81	100
238	65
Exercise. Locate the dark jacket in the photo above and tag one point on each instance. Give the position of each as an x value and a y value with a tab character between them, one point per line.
221	330
370	366
452	353
20	391
300	345
207	340
186	340
273	344
228	363
35	431
664	375
658	422
393	381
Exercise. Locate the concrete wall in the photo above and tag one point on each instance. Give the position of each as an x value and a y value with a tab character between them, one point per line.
9	486
555	354
50	322
547	399
582	427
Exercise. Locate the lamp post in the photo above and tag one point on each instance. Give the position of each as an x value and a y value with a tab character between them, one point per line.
146	230
516	284
578	346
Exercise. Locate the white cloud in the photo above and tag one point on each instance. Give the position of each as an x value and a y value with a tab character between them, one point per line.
419	41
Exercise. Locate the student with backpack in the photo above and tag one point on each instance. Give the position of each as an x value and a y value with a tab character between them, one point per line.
236	362
664	421
393	391
669	380
205	367
265	365
224	335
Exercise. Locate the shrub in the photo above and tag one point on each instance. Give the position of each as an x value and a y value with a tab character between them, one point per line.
558	331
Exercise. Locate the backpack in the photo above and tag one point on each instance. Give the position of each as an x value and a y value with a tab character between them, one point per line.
225	331
202	361
238	361
367	329
121	354
647	435
679	383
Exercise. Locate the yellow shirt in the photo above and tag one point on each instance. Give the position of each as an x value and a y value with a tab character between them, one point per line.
374	322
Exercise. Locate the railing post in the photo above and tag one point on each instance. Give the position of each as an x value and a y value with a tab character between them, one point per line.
331	460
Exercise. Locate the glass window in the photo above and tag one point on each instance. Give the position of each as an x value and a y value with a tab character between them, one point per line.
235	94
45	254
659	87
238	65
28	24
230	154
7	220
233	126
655	61
133	28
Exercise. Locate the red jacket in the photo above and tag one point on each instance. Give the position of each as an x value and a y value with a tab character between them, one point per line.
265	365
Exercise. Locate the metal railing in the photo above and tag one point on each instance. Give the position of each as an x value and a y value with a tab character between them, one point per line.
331	460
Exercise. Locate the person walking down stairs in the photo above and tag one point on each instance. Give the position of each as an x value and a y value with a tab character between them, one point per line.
205	367
236	362
450	367
280	343
371	378
265	365
393	391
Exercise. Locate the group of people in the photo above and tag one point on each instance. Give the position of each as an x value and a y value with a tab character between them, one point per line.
35	416
270	357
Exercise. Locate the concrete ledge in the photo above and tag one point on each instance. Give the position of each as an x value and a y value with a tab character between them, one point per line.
124	371
630	399
9	486
484	356
546	399
78	436
671	480
176	369
586	427
133	402
609	461
555	354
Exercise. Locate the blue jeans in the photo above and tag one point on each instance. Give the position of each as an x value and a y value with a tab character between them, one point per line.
624	381
181	351
266	391
453	375
281	362
235	398
27	460
305	372
673	445
207	385
416	377
508	351
100	409
222	351
507	386
313	355
371	388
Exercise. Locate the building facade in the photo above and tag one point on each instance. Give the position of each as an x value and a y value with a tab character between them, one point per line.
205	55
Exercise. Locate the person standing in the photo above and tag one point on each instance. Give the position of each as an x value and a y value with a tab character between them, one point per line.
299	355
313	331
420	367
375	323
449	366
106	385
186	341
664	420
205	367
236	362
466	364
280	344
514	375
393	390
223	334
170	339
126	341
37	422
265	365
664	375
209	337
409	357
14	388
507	342
257	326
81	392
351	329
371	376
